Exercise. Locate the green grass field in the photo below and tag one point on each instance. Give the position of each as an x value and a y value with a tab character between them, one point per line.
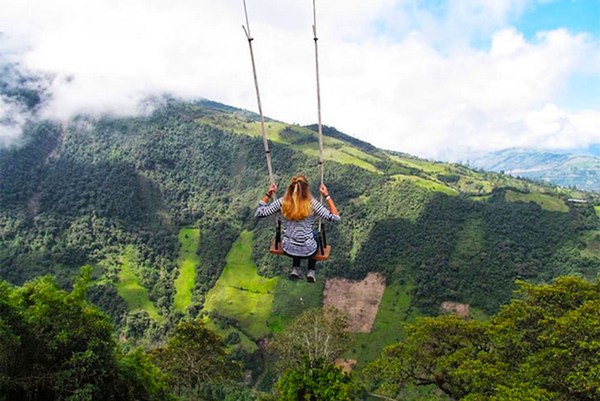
292	298
187	262
597	209
592	242
334	149
394	310
547	202
473	184
419	164
240	293
427	184
129	288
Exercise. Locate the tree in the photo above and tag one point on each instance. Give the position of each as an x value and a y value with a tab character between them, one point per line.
306	352
54	345
317	334
544	345
195	355
316	381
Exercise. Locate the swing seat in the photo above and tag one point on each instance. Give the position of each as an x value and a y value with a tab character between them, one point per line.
319	256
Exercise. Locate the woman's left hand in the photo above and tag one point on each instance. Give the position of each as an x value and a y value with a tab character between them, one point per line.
272	189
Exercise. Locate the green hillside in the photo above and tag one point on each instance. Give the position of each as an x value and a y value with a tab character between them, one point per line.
76	194
121	194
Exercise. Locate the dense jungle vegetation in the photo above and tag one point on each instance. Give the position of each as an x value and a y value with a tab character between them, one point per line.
115	193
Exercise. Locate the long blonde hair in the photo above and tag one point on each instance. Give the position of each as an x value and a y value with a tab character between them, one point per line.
296	202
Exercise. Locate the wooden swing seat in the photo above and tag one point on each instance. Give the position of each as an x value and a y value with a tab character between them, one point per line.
319	256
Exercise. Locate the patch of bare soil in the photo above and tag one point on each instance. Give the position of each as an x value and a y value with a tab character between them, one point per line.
461	310
345	364
358	299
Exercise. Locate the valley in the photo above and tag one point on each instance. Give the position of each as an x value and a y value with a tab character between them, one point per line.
161	209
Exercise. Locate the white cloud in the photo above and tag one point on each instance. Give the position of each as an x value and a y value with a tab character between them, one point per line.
396	74
12	120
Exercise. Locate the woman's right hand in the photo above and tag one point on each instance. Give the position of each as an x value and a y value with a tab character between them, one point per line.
324	190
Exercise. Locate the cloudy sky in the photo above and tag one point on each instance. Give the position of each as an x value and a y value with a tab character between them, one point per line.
435	78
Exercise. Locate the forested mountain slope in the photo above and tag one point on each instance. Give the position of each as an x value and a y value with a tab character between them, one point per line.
115	192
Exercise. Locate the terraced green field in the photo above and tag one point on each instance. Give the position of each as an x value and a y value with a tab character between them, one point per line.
547	202
240	293
301	138
129	288
428	184
187	262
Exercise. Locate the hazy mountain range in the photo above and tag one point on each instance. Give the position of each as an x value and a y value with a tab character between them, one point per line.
580	169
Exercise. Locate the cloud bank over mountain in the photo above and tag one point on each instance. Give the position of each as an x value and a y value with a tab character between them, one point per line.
435	79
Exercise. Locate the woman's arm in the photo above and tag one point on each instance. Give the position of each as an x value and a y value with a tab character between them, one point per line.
264	209
332	214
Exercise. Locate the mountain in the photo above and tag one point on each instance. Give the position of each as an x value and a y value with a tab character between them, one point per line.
565	169
162	208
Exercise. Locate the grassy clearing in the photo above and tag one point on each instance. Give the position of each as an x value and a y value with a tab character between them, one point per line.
334	149
340	154
427	184
129	288
292	298
240	293
592	241
547	202
473	184
424	165
394	310
187	262
597	209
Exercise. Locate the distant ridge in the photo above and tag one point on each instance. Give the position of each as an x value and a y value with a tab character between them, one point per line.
563	169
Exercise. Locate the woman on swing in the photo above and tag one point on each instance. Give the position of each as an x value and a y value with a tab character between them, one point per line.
299	210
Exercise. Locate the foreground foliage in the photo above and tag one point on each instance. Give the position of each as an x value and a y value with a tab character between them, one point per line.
544	345
316	381
195	355
306	353
56	346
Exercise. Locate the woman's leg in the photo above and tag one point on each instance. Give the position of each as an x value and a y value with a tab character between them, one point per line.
296	271
311	274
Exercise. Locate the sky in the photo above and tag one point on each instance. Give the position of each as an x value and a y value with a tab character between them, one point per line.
439	79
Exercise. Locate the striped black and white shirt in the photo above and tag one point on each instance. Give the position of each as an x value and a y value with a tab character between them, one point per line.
298	239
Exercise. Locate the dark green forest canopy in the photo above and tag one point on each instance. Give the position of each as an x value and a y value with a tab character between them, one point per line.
543	346
79	193
56	346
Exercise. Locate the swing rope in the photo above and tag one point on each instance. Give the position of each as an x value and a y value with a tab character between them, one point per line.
262	118
316	39
322	238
